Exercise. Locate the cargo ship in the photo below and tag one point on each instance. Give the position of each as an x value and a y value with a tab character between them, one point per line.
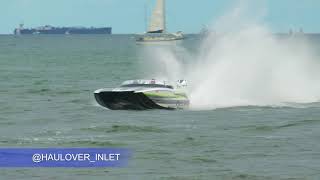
47	29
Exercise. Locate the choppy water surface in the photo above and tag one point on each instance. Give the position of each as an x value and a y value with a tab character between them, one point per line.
46	91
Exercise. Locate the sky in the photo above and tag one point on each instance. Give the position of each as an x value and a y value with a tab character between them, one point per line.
128	16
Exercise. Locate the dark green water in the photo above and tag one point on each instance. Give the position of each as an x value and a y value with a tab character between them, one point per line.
46	97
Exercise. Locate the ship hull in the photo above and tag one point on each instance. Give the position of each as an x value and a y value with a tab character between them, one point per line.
159	37
64	30
131	100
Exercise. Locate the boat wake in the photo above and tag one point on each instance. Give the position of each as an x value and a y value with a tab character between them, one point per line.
246	67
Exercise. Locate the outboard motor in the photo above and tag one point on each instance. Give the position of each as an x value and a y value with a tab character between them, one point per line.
182	84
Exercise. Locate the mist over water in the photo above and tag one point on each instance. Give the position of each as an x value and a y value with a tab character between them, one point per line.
252	67
242	66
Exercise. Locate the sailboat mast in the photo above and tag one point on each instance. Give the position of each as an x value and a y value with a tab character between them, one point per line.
146	17
158	22
164	15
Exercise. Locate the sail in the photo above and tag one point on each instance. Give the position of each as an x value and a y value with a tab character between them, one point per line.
158	20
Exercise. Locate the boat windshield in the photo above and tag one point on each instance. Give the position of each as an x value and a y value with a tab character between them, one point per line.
146	83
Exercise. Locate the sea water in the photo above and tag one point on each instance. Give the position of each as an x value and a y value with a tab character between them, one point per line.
46	96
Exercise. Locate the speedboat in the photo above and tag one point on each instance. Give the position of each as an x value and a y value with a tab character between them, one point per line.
144	95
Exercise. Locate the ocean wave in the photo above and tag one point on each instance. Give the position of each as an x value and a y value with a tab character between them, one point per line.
125	128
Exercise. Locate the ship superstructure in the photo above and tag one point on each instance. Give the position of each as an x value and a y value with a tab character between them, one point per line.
47	29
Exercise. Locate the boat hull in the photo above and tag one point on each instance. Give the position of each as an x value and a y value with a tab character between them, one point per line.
62	30
159	37
130	100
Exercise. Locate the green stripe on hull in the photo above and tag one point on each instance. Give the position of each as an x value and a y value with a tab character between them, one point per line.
166	95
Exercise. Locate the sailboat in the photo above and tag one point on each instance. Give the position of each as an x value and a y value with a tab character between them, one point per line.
157	27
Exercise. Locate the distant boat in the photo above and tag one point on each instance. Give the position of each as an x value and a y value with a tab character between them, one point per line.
296	34
157	27
207	31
